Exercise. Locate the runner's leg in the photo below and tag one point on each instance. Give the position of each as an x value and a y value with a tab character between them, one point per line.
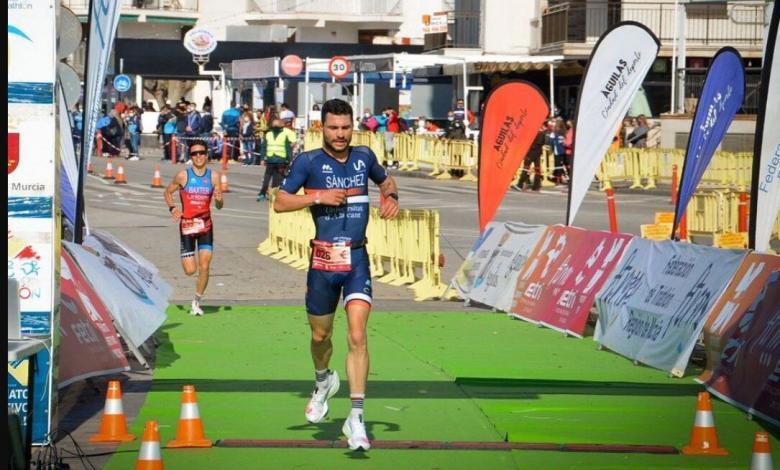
321	345
204	265
357	356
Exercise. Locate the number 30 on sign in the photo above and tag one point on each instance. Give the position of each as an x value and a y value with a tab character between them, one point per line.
338	67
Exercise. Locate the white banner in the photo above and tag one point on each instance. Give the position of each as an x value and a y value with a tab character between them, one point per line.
617	66
766	188
495	284
103	21
480	252
145	273
133	309
654	304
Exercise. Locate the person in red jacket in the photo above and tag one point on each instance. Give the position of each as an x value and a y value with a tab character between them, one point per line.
392	121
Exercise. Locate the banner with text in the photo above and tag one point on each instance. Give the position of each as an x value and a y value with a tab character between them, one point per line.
653	306
566	302
481	250
720	99
765	185
134	311
18	389
556	250
89	344
513	113
617	66
742	339
496	281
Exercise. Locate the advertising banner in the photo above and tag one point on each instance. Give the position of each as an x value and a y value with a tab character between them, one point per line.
30	261
126	298
765	185
654	304
745	374
741	339
481	250
103	21
494	284
33	237
555	252
617	66
89	345
513	113
720	99
566	302
18	388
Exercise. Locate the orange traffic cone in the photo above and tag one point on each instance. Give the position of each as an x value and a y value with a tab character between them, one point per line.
113	427
149	455
120	175
704	437
156	179
762	454
109	174
224	182
190	430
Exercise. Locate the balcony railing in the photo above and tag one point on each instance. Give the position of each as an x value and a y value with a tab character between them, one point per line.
706	24
463	32
339	7
163	5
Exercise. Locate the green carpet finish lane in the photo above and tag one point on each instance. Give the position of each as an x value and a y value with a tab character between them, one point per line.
434	377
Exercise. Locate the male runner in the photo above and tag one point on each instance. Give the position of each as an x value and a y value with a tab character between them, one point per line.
196	185
335	181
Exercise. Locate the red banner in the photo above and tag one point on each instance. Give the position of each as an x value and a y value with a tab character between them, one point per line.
569	297
742	339
563	274
89	344
555	251
513	113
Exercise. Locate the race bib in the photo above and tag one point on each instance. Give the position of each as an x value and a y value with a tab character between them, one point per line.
328	256
194	226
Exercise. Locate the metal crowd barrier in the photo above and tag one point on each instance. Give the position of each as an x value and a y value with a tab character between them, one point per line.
644	168
639	168
403	251
710	212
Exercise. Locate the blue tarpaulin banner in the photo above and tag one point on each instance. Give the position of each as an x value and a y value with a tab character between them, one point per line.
720	99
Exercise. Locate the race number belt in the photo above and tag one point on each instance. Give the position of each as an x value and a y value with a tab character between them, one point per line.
330	256
195	225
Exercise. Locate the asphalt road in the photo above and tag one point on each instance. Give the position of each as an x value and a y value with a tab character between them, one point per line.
138	215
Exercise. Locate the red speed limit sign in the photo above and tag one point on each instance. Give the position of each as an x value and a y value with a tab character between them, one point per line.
338	67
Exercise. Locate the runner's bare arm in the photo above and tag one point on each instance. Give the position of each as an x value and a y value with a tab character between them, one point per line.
178	182
218	200
286	202
389	209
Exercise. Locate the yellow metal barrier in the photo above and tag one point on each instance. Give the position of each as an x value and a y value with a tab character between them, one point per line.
404	251
640	168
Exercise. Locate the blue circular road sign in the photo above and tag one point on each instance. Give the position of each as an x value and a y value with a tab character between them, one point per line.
122	83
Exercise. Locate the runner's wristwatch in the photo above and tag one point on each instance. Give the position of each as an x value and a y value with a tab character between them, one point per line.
394	196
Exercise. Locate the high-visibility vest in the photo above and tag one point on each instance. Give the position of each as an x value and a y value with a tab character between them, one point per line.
276	145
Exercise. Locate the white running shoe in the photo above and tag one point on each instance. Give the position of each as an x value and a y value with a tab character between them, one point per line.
195	309
317	408
355	430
